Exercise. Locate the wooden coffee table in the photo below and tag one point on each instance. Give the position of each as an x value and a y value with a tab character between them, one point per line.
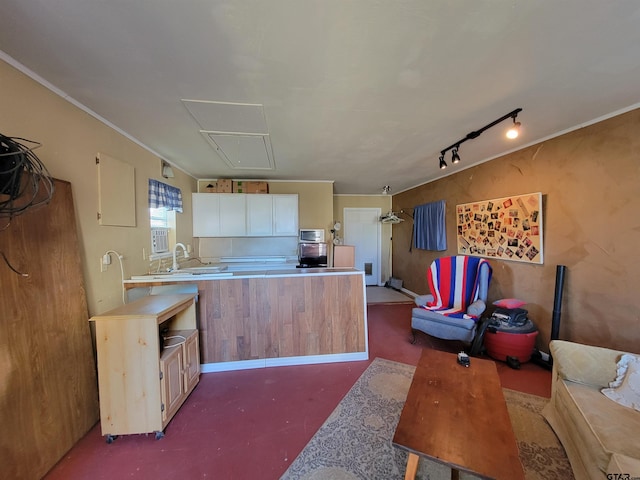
458	416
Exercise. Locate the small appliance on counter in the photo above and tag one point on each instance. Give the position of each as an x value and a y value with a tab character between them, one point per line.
312	255
312	249
311	235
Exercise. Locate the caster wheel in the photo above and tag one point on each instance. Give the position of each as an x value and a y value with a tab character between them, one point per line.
513	362
110	438
159	435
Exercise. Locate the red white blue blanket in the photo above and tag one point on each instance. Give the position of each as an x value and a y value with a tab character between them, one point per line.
453	282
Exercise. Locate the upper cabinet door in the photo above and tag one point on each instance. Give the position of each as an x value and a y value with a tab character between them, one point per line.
206	215
233	214
285	215
259	215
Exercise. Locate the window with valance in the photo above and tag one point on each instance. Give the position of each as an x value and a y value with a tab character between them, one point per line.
165	196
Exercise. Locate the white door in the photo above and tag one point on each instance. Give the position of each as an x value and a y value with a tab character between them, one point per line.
362	230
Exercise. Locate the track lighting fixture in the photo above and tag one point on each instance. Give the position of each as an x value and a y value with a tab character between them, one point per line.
512	133
386	189
455	158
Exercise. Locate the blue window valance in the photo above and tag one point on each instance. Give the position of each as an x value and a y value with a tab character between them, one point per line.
163	195
429	226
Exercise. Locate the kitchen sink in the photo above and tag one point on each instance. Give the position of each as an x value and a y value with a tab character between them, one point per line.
199	270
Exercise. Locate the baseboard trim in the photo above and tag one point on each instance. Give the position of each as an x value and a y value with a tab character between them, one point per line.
409	292
282	362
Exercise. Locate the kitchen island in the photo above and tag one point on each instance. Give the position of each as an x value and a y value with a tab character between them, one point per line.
254	319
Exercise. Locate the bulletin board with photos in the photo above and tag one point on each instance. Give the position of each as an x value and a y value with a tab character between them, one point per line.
508	228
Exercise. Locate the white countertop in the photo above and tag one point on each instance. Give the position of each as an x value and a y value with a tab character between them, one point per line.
288	271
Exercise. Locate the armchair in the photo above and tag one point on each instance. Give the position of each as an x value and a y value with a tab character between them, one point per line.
459	286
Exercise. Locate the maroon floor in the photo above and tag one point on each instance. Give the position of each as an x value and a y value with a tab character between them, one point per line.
251	424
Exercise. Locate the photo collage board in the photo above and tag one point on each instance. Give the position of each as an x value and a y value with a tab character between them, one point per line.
508	228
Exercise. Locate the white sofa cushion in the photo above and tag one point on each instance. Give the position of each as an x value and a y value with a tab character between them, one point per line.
625	389
589	365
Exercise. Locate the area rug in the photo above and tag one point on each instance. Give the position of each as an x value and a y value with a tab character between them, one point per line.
355	442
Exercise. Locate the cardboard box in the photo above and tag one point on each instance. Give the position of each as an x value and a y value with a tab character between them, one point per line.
257	187
224	186
211	187
244	186
239	187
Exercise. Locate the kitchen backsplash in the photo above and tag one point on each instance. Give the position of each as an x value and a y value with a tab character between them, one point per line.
213	248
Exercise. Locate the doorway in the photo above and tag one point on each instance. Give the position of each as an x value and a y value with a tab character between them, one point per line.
363	230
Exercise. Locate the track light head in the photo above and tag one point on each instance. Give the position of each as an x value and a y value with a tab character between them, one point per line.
443	164
455	158
514	131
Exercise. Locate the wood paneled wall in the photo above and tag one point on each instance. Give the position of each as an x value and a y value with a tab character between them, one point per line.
272	317
48	389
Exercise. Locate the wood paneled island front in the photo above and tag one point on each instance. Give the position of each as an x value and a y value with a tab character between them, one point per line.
280	317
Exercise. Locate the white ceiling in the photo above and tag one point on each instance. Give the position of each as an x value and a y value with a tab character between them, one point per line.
362	92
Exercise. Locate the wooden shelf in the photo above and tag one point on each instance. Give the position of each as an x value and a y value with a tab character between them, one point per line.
144	376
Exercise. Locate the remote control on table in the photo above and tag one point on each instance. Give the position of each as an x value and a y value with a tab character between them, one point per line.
463	359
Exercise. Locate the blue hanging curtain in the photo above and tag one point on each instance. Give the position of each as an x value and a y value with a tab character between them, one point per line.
163	195
429	227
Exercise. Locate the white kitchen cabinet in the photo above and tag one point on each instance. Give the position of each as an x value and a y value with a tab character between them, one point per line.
259	215
206	215
285	215
241	215
233	215
219	215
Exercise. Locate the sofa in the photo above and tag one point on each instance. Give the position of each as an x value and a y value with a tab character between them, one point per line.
600	436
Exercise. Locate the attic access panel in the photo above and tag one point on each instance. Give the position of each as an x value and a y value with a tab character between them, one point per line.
242	152
228	117
237	132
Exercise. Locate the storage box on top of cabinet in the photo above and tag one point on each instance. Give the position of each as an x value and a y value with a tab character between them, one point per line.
250	186
224	185
257	187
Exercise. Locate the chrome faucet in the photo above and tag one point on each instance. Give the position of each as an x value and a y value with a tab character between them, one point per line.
175	260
